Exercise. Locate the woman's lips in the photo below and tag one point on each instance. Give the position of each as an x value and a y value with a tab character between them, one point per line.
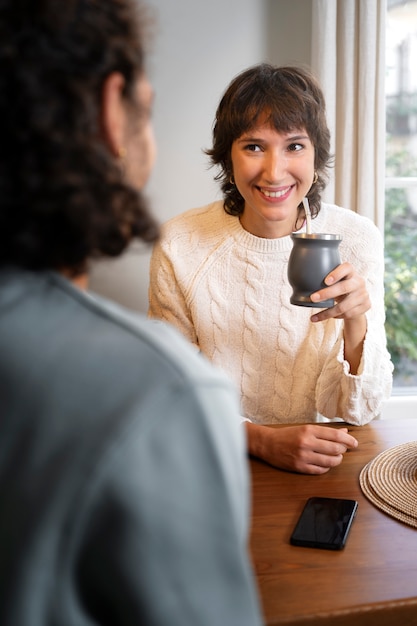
276	193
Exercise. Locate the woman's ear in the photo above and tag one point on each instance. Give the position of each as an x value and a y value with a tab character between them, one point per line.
113	113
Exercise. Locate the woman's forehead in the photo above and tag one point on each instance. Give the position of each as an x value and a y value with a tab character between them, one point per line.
258	126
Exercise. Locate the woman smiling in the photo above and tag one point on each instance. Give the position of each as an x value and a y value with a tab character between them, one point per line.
219	274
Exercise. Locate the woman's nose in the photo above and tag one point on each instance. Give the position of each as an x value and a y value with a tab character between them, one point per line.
275	166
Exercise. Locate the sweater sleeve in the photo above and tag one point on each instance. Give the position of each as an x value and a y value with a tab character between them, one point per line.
358	399
166	541
166	298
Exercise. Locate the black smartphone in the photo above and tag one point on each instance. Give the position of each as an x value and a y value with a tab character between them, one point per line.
324	523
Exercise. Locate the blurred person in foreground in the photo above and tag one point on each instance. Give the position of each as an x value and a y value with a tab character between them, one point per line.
123	479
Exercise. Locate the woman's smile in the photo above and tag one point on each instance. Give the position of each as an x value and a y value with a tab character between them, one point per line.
276	194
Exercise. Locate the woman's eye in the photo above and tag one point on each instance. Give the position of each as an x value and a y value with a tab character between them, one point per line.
252	147
295	147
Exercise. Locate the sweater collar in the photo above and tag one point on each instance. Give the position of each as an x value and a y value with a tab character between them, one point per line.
259	244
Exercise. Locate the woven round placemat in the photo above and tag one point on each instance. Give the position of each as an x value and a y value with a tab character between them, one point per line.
390	482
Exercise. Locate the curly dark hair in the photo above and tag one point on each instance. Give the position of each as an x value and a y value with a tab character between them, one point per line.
63	199
290	98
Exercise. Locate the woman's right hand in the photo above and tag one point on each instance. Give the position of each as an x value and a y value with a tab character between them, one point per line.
306	449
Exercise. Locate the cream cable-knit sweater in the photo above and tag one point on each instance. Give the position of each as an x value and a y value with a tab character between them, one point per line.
227	291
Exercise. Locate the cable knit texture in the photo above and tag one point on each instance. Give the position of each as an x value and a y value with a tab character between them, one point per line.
227	291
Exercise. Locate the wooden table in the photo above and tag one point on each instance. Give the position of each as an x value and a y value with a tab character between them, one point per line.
373	581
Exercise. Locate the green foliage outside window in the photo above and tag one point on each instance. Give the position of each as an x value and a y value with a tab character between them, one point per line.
401	273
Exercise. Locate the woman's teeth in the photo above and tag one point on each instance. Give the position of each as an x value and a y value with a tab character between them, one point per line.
275	194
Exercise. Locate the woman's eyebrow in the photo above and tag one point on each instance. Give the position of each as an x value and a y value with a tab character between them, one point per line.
287	137
297	137
246	138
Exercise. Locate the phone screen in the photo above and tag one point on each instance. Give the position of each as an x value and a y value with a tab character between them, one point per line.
324	523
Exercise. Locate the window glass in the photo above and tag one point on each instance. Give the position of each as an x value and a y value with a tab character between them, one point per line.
401	191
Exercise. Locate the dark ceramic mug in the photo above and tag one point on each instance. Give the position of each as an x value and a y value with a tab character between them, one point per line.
312	257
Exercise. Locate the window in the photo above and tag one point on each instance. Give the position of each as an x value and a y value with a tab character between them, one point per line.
401	192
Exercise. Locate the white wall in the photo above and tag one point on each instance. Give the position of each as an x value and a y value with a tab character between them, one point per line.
198	47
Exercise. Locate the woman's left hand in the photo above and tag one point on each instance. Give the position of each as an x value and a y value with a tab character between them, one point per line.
349	292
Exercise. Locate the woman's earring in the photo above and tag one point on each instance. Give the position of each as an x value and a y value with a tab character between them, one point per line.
316	177
232	180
